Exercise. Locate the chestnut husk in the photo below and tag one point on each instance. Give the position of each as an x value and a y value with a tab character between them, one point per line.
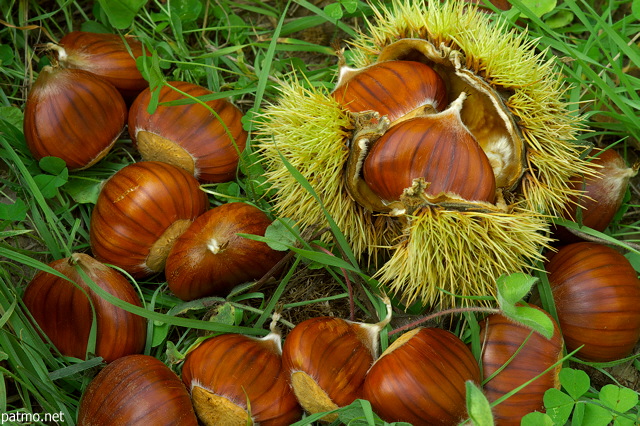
63	310
136	390
73	115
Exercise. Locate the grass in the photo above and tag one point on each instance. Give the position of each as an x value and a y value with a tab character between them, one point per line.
244	51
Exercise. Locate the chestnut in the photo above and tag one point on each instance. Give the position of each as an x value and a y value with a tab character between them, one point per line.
237	379
601	195
190	136
110	56
516	355
140	212
437	148
136	390
597	294
421	378
74	115
63	311
210	258
392	88
327	359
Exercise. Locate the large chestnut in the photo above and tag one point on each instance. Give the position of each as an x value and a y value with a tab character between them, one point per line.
437	148
74	115
516	355
392	88
110	56
210	258
136	390
234	379
63	310
597	294
327	359
140	212
421	378
205	143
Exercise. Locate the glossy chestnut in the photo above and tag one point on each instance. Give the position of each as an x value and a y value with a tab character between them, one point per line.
64	313
110	56
136	390
421	378
512	355
207	144
140	212
392	88
236	379
597	294
210	258
74	115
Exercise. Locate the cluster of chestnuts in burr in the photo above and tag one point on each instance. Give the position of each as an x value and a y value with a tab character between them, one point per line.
152	217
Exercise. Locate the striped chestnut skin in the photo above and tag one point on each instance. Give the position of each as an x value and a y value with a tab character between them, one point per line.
74	115
229	371
602	195
437	148
63	311
140	211
502	338
597	294
421	377
189	136
393	88
327	359
109	56
136	390
210	258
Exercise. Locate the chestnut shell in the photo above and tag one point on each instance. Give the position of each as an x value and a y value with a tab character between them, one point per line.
597	294
64	313
135	208
209	258
136	390
74	115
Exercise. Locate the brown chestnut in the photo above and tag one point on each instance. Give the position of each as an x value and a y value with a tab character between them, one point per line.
140	212
327	359
235	378
597	294
516	355
421	378
74	115
601	195
189	135
136	390
110	56
437	148
63	311
392	88
210	258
